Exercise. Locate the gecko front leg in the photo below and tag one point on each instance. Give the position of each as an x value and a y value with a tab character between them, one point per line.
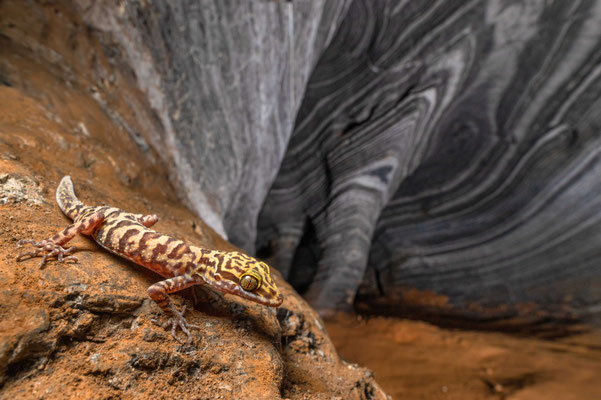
54	246
159	292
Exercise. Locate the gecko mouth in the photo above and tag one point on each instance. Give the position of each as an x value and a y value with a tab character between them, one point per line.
234	289
270	302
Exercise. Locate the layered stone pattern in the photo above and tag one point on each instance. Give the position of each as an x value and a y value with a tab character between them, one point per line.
435	157
448	148
225	79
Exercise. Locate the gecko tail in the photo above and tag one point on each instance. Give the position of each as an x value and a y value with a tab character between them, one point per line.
66	199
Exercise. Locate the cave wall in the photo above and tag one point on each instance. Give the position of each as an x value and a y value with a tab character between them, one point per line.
445	160
225	79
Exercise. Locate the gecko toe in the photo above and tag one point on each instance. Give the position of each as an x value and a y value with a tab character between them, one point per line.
183	325
173	328
46	249
27	254
25	241
177	320
184	329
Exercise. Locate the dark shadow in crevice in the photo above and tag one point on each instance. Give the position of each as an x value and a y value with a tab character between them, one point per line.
306	257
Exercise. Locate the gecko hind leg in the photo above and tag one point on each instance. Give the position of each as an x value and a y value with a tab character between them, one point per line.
53	247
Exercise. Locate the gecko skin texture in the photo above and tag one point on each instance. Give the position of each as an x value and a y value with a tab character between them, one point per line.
128	235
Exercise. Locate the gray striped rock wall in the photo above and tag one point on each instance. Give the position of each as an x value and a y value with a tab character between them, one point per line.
445	160
224	79
429	157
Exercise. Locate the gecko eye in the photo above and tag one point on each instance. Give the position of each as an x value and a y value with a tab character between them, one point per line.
250	283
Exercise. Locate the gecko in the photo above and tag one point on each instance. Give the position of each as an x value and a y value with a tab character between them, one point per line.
129	236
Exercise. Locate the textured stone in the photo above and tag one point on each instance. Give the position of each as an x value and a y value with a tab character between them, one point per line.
448	148
225	79
84	329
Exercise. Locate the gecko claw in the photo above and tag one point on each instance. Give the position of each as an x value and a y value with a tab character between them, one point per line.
178	320
50	248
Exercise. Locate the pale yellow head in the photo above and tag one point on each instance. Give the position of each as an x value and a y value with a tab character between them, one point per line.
248	278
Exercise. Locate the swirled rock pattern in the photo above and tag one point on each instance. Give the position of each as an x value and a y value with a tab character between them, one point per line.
224	79
445	159
427	156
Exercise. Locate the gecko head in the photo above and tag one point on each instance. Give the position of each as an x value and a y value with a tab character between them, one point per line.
248	278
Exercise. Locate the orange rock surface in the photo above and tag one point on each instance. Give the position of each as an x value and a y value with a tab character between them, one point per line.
83	330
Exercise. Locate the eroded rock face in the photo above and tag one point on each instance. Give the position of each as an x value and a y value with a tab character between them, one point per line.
225	80
85	330
448	149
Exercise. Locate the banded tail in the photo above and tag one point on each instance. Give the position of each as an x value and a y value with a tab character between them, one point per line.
66	199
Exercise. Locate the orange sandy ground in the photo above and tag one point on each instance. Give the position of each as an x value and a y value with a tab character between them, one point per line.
416	360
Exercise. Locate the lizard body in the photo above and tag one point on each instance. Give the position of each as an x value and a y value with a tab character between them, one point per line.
128	235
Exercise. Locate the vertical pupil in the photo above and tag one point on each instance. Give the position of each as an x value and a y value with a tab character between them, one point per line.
248	282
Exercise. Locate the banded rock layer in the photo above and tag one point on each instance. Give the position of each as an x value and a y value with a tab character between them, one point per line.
224	79
445	159
422	156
